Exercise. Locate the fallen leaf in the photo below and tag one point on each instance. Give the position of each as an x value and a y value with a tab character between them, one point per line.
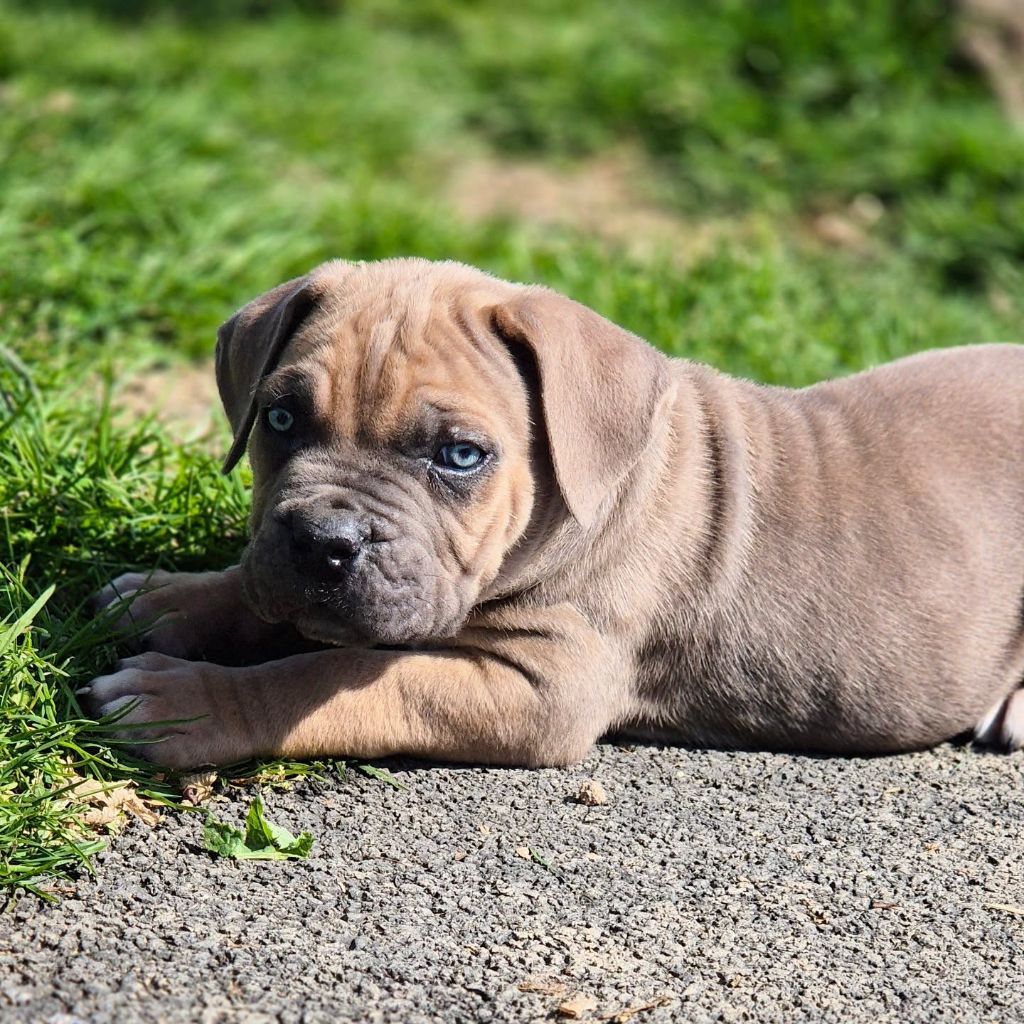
197	788
529	853
621	1016
592	794
577	1006
260	841
539	859
109	802
382	774
883	905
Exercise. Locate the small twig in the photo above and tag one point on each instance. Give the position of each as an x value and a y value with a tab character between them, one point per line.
621	1016
1006	908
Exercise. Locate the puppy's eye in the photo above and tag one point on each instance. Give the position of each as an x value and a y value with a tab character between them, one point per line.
460	456
280	419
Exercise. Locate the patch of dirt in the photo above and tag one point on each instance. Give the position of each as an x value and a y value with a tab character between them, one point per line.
992	35
182	396
847	227
610	196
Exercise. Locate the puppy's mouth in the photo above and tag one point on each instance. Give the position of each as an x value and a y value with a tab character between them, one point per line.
363	609
349	623
322	624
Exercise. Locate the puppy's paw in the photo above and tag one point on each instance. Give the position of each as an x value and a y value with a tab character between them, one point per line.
200	616
181	614
125	586
176	713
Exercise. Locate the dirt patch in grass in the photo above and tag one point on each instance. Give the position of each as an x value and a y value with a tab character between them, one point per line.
612	196
182	396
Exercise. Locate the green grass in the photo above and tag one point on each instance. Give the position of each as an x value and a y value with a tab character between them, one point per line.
160	164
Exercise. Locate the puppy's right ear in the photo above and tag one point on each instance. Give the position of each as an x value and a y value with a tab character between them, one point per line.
249	346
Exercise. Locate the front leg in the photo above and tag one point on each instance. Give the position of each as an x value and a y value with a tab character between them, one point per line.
198	616
539	694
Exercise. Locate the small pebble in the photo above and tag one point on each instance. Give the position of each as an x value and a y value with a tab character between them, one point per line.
592	794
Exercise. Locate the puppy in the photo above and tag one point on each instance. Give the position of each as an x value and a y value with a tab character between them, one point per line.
490	526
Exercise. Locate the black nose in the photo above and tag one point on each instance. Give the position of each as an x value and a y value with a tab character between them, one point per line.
328	541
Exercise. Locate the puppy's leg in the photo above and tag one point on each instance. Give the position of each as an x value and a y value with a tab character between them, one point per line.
1003	725
198	616
532	698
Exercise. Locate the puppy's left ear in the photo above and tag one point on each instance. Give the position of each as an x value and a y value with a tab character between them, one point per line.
600	387
249	345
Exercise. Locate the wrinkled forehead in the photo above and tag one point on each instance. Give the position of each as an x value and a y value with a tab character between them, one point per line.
383	362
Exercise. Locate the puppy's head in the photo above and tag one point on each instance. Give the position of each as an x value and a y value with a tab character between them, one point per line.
387	410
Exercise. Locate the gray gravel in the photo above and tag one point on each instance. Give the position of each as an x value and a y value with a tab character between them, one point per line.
745	886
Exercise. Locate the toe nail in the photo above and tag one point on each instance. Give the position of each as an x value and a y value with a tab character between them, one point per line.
83	691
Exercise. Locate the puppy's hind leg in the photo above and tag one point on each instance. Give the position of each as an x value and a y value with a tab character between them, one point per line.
1003	724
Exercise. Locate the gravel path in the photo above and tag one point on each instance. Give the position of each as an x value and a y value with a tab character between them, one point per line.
738	886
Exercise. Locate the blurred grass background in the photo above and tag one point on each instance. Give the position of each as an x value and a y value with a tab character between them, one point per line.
789	190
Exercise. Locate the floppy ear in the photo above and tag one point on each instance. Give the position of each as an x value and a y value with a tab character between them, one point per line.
600	388
249	346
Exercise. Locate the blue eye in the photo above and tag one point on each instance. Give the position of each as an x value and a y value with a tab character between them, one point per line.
459	456
280	419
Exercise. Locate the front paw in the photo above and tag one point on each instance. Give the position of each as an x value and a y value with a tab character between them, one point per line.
148	612
180	714
201	616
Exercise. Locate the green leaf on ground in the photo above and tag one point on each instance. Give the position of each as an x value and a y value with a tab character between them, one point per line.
260	841
544	862
538	858
382	774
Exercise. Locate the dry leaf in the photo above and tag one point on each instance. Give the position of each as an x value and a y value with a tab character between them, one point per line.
197	788
592	794
577	1006
108	803
523	851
